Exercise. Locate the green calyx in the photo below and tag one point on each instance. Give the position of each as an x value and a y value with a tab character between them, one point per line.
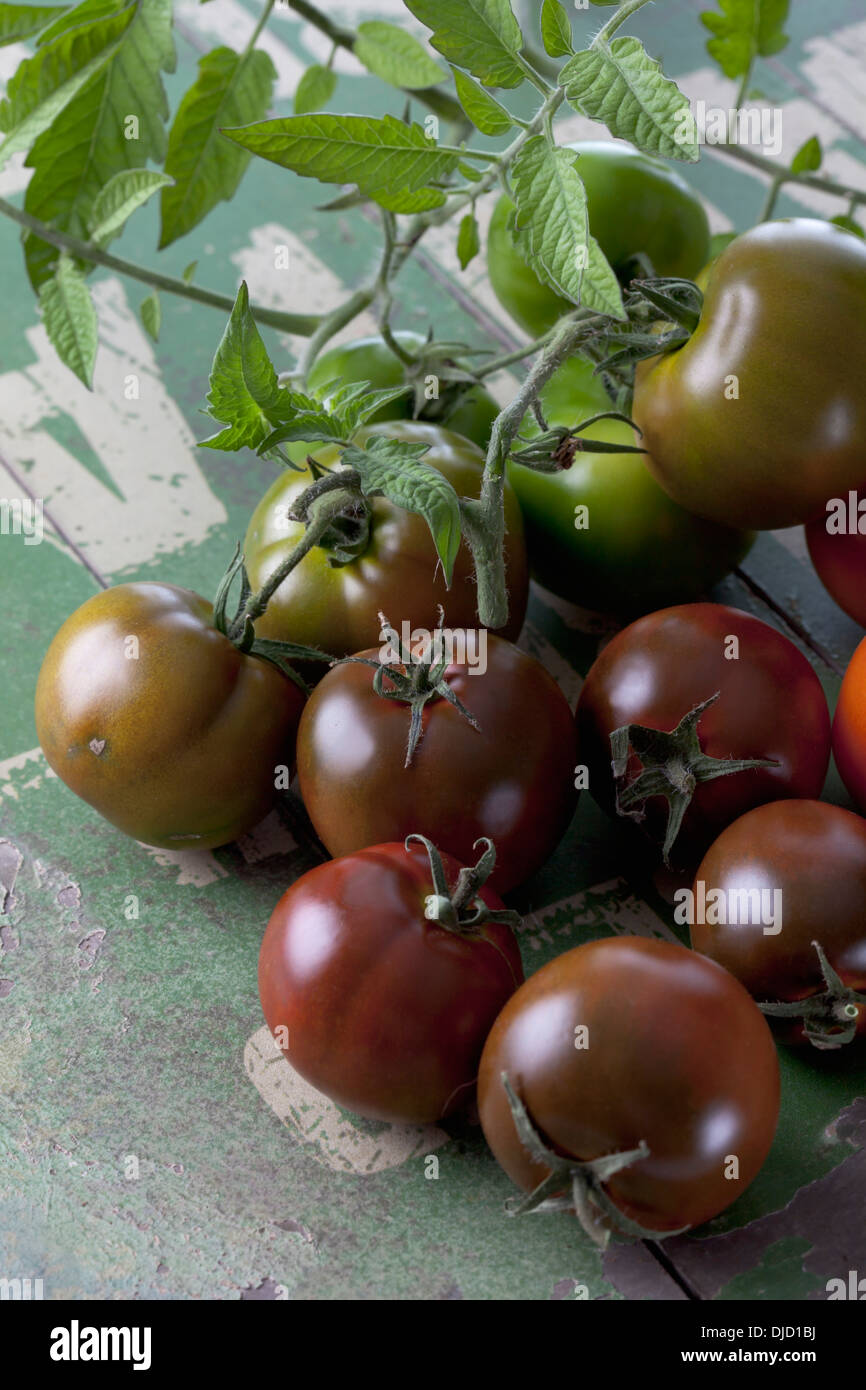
673	766
413	681
583	1182
662	314
554	450
458	908
829	1018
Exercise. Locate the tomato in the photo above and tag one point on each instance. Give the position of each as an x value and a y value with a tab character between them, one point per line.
627	1041
152	716
511	778
849	727
762	415
837	548
337	608
377	1005
636	205
602	533
770	706
371	359
786	875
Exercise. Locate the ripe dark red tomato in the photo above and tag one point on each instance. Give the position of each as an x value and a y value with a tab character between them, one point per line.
789	874
511	778
630	1040
770	706
152	716
384	1009
838	551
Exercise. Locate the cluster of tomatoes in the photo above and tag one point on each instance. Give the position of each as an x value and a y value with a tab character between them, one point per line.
633	1080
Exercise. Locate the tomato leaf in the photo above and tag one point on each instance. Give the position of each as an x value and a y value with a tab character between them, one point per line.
151	314
550	222
395	56
390	162
600	289
70	319
19	22
745	29
555	29
468	240
483	110
315	89
848	224
44	85
244	392
623	86
121	196
481	35
116	121
206	169
808	157
394	469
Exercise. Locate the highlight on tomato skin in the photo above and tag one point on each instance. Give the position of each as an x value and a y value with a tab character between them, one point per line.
377	1003
632	1043
779	900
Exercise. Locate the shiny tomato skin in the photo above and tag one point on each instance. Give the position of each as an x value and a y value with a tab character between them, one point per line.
677	1054
178	745
512	779
782	326
337	608
815	855
849	727
385	1011
771	706
840	562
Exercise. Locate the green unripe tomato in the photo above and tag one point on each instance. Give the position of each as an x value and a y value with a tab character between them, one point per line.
636	204
370	359
628	549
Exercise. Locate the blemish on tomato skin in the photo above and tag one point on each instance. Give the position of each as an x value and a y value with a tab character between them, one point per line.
97	746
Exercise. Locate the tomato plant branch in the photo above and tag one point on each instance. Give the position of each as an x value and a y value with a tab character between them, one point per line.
787	175
329	497
263	19
440	102
625	11
484	519
331	323
438	216
302	324
507	359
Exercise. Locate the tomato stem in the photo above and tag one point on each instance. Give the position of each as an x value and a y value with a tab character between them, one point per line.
459	909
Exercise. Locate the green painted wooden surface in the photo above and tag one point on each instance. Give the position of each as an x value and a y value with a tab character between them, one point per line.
151	1144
